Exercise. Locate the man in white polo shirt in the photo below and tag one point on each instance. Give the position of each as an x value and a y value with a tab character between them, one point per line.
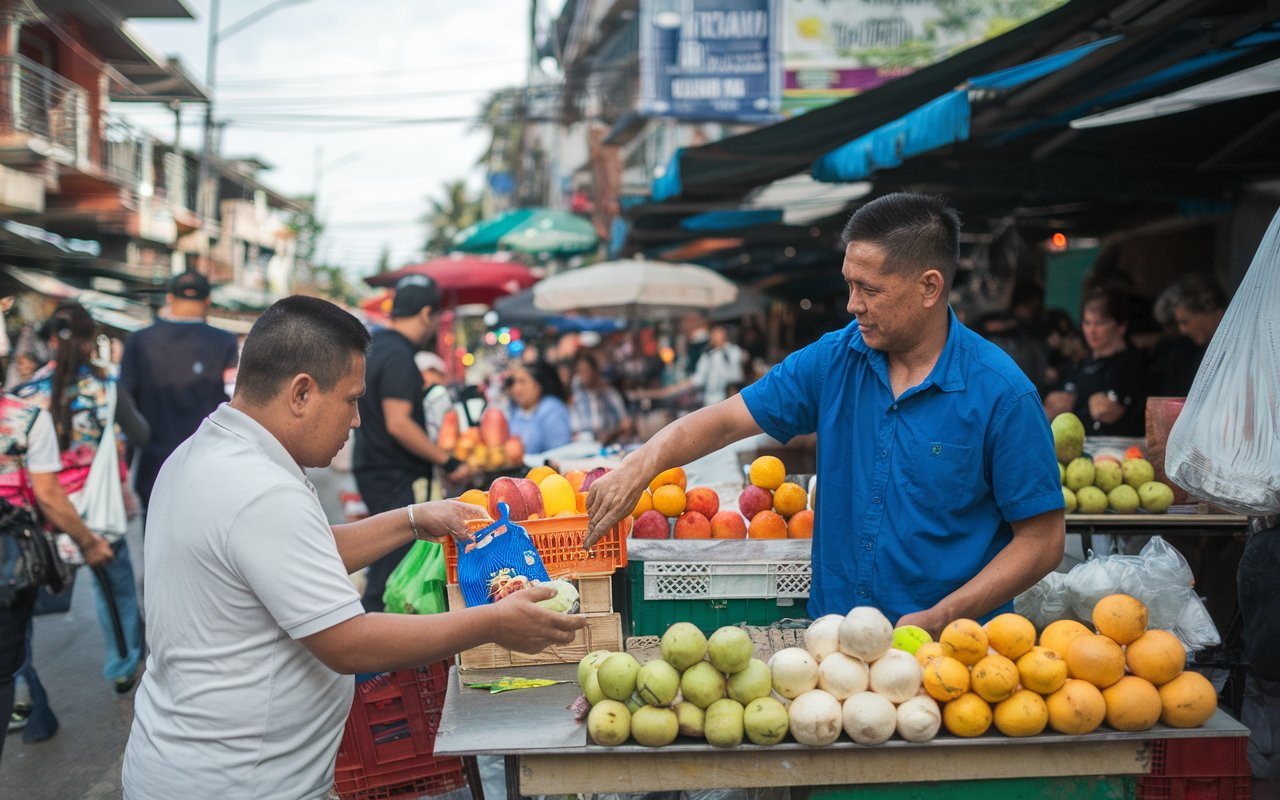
253	625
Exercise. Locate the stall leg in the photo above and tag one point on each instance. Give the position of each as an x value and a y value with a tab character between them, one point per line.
472	770
512	764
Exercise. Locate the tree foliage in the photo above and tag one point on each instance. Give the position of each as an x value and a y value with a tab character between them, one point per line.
447	214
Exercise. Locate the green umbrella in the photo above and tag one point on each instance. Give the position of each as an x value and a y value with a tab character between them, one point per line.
530	230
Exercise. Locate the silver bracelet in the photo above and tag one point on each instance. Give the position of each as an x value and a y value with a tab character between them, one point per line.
413	525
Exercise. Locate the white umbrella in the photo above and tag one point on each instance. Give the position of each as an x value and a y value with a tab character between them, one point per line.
641	288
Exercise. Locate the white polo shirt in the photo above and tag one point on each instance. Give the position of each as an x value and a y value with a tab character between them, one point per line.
240	564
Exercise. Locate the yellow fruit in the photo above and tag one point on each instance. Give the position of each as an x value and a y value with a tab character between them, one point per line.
789	499
1132	704
1077	708
538	473
669	500
1187	701
968	639
1156	655
1121	617
945	678
1022	714
967	715
642	505
1042	671
767	472
1057	636
670	477
1097	659
994	678
557	495
1010	635
931	650
475	497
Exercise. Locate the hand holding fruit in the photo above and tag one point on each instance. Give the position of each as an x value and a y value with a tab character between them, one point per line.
931	620
462	474
612	497
520	624
441	519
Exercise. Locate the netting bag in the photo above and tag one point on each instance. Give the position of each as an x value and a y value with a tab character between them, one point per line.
1225	445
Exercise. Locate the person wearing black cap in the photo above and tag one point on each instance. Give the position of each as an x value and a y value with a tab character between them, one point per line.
176	370
392	448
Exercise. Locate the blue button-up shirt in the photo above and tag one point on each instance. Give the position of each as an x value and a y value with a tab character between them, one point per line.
915	493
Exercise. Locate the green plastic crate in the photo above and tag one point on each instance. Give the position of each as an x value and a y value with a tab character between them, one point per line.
653	617
1119	787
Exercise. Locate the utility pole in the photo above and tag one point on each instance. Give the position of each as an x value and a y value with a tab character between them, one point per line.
206	150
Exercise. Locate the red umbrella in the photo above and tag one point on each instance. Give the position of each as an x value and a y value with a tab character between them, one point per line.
465	279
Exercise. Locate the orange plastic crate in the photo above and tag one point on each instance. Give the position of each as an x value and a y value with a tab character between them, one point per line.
559	542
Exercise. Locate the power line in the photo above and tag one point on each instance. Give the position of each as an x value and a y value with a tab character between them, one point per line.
341	76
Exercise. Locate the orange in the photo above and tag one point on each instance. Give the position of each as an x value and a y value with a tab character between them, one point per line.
671	477
1042	670
1097	659
1156	655
945	678
558	496
1077	708
1057	636
581	497
668	500
1011	635
800	526
767	525
967	638
645	503
932	650
790	499
1187	701
1132	704
1121	617
967	715
538	473
994	678
1023	713
575	478
767	472
475	497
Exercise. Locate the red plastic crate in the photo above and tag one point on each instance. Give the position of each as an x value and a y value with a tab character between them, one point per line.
1198	769
390	736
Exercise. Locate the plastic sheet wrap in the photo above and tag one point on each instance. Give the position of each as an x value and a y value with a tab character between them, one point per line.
1158	576
1225	445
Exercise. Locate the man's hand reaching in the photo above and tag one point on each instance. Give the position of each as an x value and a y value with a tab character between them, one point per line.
520	624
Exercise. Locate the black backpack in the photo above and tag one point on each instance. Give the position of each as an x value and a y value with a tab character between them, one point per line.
28	557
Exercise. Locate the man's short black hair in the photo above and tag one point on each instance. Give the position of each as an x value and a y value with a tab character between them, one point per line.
298	334
917	232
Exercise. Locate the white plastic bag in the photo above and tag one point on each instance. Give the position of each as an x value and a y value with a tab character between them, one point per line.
1225	445
1158	576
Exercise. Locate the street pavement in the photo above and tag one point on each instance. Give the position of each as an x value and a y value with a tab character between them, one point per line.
83	759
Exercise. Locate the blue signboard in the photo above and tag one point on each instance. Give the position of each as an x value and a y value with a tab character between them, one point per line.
710	59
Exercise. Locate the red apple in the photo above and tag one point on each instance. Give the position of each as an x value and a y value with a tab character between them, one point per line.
493	427
591	477
753	500
513	449
728	525
652	525
692	525
520	494
703	500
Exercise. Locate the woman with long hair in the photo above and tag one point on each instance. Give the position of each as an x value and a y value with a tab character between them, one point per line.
538	413
76	390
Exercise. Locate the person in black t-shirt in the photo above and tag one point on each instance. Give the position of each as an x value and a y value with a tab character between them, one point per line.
1107	390
392	448
176	370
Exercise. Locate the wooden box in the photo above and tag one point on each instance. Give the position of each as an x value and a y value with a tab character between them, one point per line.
603	632
595	593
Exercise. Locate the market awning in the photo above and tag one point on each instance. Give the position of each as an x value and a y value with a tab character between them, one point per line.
530	230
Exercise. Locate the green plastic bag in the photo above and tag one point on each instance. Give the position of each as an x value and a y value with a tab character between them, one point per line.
416	586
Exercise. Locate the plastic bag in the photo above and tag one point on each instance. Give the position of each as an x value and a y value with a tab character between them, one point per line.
416	585
1158	576
502	559
1225	445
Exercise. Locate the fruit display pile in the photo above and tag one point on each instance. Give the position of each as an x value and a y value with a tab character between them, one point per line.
488	446
858	676
769	508
1092	485
542	493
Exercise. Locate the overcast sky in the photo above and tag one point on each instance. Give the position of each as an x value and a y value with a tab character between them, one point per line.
402	59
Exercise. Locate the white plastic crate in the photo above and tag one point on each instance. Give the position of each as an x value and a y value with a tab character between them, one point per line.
721	581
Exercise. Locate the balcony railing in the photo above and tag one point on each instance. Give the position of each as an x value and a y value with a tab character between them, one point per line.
39	102
122	152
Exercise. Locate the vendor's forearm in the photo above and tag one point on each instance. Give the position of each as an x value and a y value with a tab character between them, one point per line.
363	542
388	642
416	441
1035	551
694	436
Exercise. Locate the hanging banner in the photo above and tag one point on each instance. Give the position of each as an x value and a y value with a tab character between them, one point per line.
710	59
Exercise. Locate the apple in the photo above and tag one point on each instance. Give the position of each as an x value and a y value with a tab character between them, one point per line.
753	500
703	500
521	496
652	525
591	477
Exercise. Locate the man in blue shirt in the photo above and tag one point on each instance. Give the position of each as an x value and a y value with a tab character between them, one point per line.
939	495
